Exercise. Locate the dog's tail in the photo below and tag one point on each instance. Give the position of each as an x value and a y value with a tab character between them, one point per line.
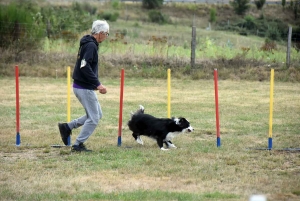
139	111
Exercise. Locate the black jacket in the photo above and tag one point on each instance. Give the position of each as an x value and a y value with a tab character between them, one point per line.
85	73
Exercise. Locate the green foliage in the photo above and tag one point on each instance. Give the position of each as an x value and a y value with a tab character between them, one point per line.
152	4
269	46
83	8
259	4
115	4
20	29
294	7
61	20
112	17
273	32
157	17
283	2
213	15
240	6
263	27
249	22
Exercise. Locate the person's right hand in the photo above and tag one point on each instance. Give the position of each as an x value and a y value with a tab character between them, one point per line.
102	89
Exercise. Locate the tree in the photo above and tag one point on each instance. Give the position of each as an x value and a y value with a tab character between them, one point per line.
213	15
295	6
240	6
283	2
20	29
157	17
259	4
152	4
64	22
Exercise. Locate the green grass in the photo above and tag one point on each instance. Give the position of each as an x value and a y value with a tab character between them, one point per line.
210	44
196	170
143	54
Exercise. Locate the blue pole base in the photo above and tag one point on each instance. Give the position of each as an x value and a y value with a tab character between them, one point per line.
18	139
218	141
69	141
270	143
119	141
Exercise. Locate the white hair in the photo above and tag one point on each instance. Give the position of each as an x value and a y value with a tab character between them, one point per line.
100	25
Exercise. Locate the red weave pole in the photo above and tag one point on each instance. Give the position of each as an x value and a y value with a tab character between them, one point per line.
18	138
217	107
121	108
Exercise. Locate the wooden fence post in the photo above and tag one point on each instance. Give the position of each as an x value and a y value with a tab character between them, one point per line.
288	52
193	47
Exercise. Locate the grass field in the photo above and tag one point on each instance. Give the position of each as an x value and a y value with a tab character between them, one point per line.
196	170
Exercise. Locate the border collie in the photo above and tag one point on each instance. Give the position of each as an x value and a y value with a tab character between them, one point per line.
163	130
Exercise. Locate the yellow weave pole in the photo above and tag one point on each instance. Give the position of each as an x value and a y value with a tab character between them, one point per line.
271	108
69	99
169	93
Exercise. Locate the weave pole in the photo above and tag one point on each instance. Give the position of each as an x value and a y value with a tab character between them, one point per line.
121	107
217	107
69	99
270	143
18	136
271	110
169	93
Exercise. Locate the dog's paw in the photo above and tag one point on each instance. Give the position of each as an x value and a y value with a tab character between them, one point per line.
164	149
139	140
172	146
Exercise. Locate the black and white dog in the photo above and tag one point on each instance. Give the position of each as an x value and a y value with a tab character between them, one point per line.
163	130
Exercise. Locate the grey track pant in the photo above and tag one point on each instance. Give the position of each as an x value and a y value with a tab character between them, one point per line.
89	100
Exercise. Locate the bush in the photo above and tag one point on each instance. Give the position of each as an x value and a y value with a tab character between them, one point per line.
269	46
259	4
82	8
112	17
213	15
115	4
19	28
157	17
249	22
240	6
60	19
283	2
152	4
273	32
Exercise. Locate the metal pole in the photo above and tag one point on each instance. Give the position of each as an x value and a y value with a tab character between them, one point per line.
121	107
18	137
288	52
217	107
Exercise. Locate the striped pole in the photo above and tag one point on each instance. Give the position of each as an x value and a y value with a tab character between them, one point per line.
69	99
271	109
18	136
217	107
121	107
169	93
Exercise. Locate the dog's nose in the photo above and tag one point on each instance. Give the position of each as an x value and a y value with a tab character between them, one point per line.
190	129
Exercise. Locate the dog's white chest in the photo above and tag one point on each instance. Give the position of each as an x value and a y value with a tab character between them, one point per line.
171	135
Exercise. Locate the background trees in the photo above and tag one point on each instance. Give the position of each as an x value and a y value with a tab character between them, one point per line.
152	4
240	6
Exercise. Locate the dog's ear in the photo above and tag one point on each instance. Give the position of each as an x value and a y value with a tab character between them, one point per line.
142	109
176	120
182	121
